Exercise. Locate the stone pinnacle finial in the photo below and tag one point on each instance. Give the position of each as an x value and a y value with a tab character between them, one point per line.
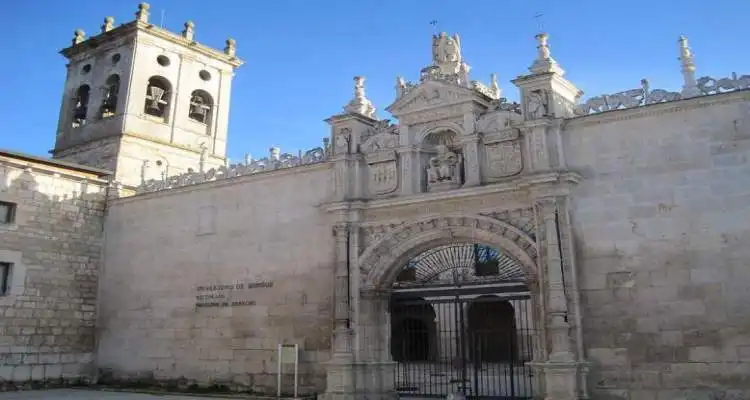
544	62
78	36
360	104
231	47
189	31
142	14
109	24
495	87
687	64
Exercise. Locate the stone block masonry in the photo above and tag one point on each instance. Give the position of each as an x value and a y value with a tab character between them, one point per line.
51	246
662	229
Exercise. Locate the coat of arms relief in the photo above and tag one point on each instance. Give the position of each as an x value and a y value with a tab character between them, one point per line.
502	140
379	149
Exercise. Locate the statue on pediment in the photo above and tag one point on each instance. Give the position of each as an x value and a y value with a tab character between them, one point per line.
446	49
446	53
444	169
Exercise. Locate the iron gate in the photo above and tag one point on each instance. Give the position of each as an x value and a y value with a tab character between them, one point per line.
459	331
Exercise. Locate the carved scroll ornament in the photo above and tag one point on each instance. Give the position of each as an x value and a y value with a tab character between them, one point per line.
644	95
273	162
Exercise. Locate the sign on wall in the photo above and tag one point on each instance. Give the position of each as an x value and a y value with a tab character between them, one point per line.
229	295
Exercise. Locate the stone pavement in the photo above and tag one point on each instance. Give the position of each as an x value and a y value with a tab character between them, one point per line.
70	394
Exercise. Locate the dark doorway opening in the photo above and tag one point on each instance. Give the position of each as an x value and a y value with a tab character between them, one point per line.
413	332
492	333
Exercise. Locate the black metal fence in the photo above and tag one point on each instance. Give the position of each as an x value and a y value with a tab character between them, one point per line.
477	345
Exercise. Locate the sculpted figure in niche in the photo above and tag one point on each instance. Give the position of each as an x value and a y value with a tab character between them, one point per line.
536	105
444	167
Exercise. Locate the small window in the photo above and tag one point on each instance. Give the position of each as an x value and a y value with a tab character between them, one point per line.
163	60
7	212
5	279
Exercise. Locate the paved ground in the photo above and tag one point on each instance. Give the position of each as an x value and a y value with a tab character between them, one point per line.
65	394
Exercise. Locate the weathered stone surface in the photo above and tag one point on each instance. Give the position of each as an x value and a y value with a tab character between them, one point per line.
660	221
47	320
263	228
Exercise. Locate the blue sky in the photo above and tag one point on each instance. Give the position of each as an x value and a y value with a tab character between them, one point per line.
301	55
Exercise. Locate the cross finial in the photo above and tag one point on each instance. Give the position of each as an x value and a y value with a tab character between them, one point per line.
434	24
539	26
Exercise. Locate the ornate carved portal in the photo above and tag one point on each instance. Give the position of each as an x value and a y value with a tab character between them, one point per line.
459	269
445	283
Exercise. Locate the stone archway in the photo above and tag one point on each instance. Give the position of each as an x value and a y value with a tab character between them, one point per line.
381	264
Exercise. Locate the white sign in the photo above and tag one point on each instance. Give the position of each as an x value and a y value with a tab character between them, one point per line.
288	354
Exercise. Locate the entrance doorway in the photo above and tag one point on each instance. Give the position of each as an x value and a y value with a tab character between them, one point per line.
492	331
460	323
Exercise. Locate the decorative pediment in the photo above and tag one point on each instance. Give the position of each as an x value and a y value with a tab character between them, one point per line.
430	94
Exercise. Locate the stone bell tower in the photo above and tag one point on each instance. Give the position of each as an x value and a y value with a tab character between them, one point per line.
145	102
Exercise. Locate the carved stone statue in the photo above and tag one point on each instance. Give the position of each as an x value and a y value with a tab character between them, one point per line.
536	104
446	49
444	169
446	52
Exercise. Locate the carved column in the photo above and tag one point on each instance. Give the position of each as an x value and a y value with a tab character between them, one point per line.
374	368
342	298
471	160
340	378
410	171
536	143
557	304
560	368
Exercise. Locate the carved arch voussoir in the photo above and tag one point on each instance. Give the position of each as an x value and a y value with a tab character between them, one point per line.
378	261
437	127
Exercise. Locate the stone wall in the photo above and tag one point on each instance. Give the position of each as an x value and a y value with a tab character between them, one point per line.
53	246
162	317
661	224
